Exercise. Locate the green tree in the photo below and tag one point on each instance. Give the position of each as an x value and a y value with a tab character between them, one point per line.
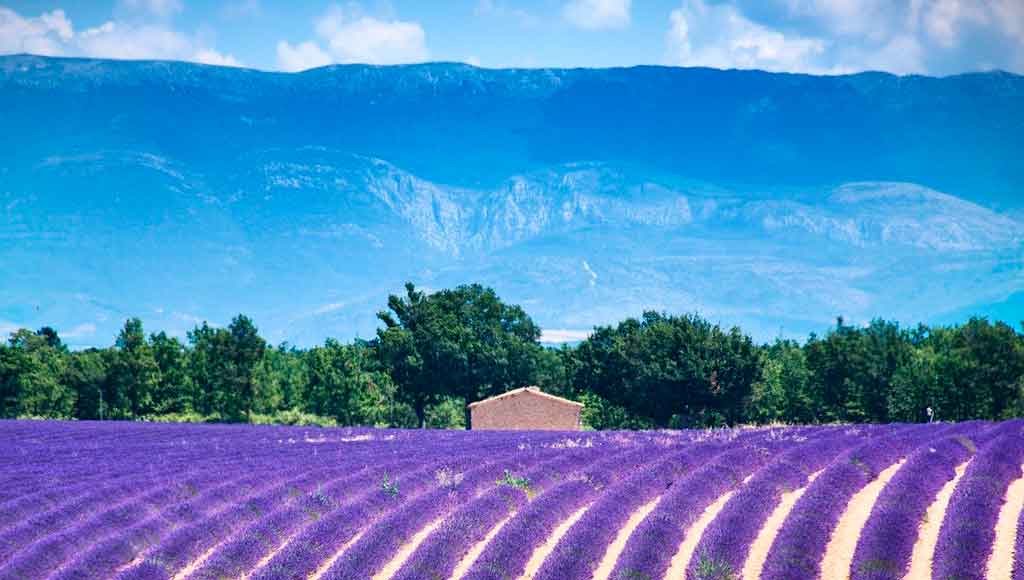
344	383
245	351
173	390
30	373
281	379
852	369
918	386
206	364
670	370
87	375
134	374
464	342
224	365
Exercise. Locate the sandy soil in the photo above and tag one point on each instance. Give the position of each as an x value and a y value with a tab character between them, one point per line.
330	561
928	533
1000	563
839	553
467	561
758	554
269	556
392	567
194	564
607	565
677	569
537	559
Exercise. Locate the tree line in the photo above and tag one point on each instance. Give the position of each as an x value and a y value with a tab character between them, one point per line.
435	352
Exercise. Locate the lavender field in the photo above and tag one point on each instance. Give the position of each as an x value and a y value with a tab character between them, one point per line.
161	501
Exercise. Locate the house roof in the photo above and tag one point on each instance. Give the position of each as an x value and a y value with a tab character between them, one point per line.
531	390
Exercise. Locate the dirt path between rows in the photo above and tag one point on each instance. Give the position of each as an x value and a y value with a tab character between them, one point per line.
607	565
471	556
758	554
539	555
839	553
405	552
677	569
1000	563
928	533
334	558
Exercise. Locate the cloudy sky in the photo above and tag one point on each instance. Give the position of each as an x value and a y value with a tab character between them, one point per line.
934	37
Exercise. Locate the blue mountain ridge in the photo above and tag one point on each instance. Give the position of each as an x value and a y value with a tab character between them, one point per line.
180	192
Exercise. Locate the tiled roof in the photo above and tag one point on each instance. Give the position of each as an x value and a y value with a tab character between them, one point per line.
533	391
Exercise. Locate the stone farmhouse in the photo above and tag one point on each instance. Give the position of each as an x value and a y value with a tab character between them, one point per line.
526	408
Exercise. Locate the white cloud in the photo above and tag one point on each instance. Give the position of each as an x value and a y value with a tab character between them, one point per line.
302	56
720	36
117	40
210	56
899	36
598	14
352	37
900	55
161	8
944	19
53	34
80	331
590	272
328	308
1010	16
44	34
562	335
6	328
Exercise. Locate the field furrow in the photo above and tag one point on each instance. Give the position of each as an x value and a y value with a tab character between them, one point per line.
213	503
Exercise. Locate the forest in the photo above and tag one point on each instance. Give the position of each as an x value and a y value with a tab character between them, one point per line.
435	352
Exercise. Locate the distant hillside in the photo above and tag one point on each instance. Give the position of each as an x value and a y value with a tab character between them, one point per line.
179	192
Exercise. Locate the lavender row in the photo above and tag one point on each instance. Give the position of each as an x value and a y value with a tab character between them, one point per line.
44	556
312	547
56	519
655	541
968	530
800	544
578	554
381	542
887	540
83	496
507	554
248	547
445	547
727	540
105	557
188	542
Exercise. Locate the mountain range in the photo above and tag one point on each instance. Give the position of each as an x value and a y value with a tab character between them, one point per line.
180	192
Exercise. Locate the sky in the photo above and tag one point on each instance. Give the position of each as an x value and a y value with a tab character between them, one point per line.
934	37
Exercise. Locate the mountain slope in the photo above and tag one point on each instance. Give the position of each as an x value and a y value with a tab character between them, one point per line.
181	192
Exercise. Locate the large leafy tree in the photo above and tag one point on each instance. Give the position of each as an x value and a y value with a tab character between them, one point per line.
281	379
134	374
87	374
173	390
344	383
782	394
30	373
224	366
462	342
853	369
245	351
672	370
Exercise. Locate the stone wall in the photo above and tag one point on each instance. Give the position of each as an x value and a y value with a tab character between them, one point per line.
526	410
